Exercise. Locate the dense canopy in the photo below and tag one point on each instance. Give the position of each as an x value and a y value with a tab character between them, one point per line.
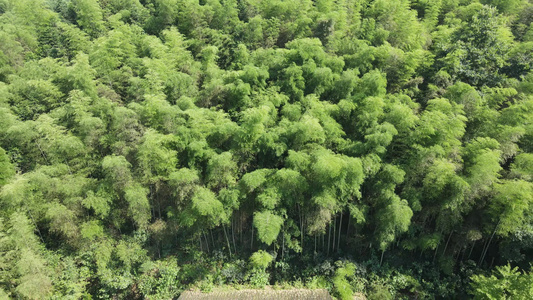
382	147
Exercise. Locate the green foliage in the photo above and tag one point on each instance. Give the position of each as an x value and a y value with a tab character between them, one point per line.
155	157
268	226
158	280
6	168
138	206
512	205
393	134
88	16
22	257
394	219
204	205
504	282
479	48
221	170
379	292
260	260
117	170
340	282
258	278
522	166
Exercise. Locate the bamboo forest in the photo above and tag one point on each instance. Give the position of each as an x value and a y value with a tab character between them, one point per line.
355	149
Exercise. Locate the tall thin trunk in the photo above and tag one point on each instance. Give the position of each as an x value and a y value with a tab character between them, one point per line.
471	249
339	239
314	253
483	250
233	232
240	230
282	243
252	239
227	239
252	242
212	239
334	232
381	260
348	230
206	242
458	253
448	241
329	238
35	224
303	232
301	229
488	244
42	153
152	206
436	250
159	208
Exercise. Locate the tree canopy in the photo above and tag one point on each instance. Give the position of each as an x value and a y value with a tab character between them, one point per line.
382	147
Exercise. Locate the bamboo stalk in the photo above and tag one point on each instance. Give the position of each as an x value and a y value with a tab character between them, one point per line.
233	232
334	232
446	246
329	238
227	239
471	249
252	239
488	244
206	242
282	243
212	239
340	228
348	229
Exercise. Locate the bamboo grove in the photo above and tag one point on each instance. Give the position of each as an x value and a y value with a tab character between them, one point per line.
374	146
